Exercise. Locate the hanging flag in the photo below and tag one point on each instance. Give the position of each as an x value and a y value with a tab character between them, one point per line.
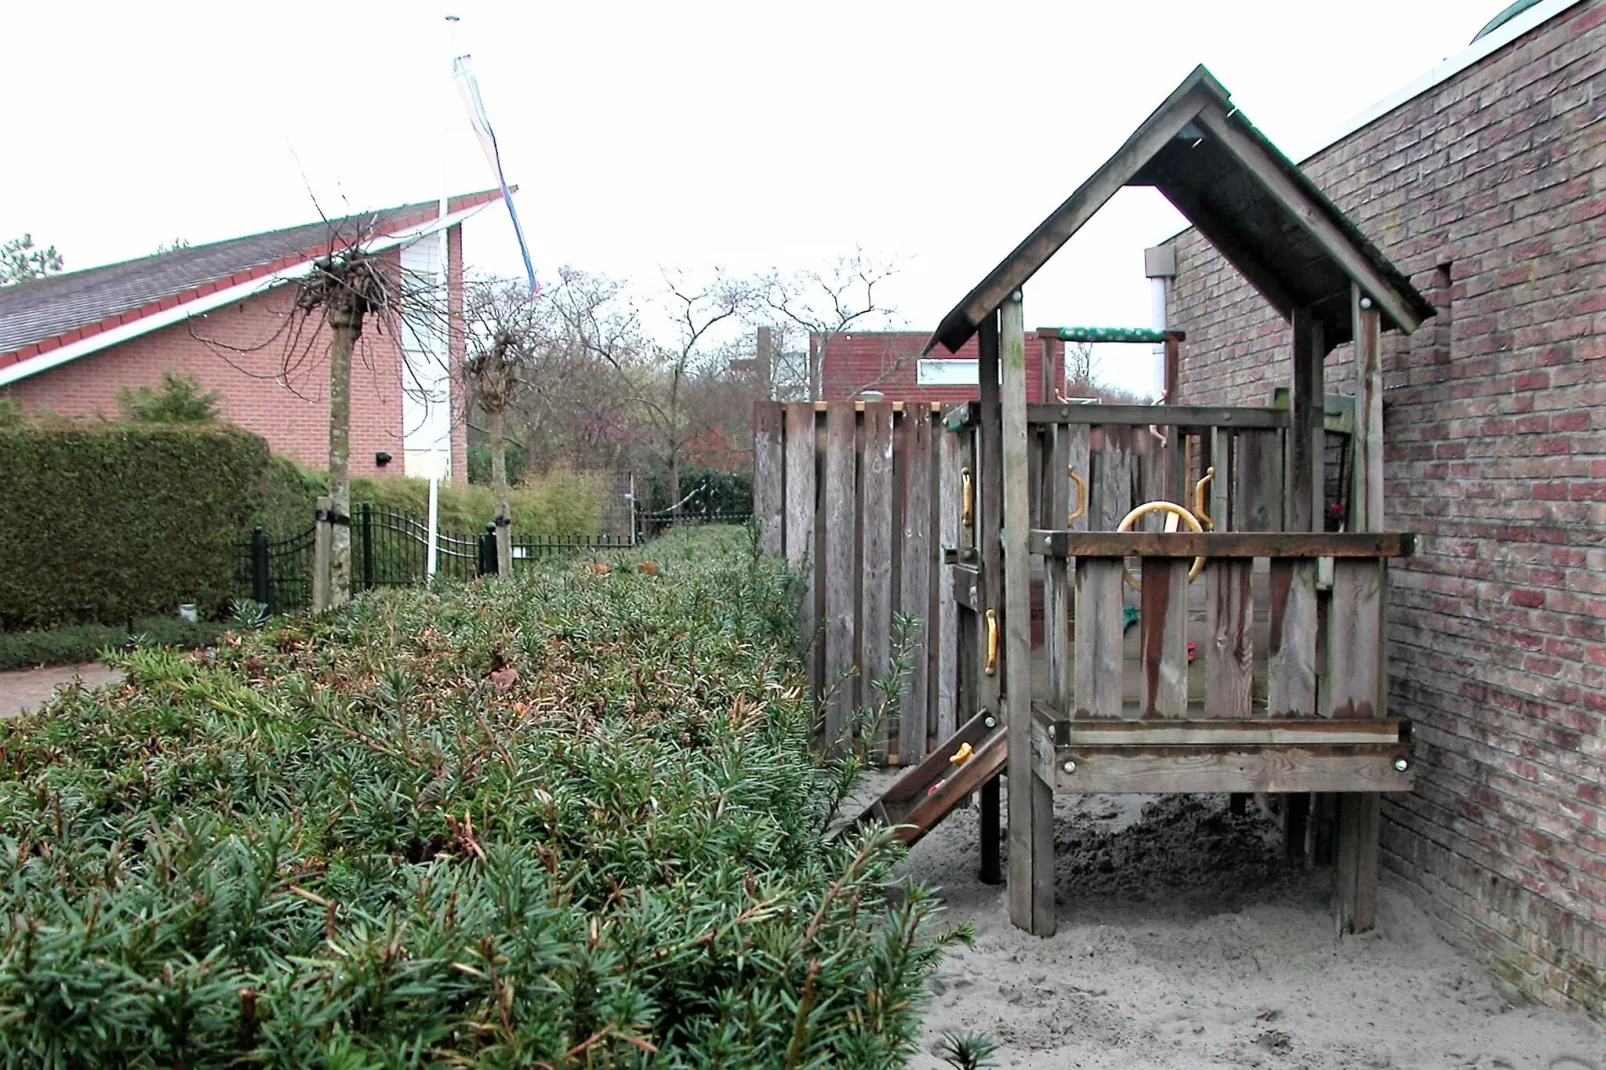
470	89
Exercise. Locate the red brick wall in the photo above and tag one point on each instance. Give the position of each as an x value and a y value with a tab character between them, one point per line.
888	361
1490	191
268	385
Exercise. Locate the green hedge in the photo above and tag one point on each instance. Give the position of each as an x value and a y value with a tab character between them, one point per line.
102	523
566	820
73	643
559	502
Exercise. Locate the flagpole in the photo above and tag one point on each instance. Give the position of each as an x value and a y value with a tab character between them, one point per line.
445	244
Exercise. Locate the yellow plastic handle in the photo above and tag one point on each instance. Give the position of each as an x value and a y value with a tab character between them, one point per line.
1199	498
1174	513
992	642
1081	497
967	506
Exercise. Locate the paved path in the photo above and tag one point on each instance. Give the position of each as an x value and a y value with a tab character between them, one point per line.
27	688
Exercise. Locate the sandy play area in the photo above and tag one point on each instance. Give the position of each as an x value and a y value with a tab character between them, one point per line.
1186	942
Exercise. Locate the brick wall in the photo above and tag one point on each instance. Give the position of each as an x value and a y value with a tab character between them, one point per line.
1489	190
270	384
888	361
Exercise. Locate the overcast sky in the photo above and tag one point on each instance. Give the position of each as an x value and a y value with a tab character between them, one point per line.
643	135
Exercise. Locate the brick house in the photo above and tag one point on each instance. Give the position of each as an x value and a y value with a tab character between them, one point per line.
890	362
1486	182
222	313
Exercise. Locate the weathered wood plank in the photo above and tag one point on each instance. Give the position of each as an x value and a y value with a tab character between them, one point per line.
988	528
1354	636
1291	643
1031	800
1312	731
914	584
1219	544
799	535
1305	437
946	508
1258	483
1194	768
1164	641
1230	646
769	476
876	517
1056	576
1356	860
1098	637
1190	416
840	578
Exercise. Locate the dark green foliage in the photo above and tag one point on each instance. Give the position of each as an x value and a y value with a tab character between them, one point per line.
72	643
179	400
729	493
479	462
361	841
101	523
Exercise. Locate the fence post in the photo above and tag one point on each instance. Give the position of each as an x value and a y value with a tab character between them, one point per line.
322	541
488	555
367	546
261	590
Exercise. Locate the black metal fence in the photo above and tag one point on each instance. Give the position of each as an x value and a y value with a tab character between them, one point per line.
390	548
696	508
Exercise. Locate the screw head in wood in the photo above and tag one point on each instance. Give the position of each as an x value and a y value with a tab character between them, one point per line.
1401	764
973	594
1069	767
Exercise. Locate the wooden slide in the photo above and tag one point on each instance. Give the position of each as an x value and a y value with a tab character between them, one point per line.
918	801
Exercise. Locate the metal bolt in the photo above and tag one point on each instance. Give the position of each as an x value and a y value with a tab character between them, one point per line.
973	593
1366	302
990	722
1069	767
1401	765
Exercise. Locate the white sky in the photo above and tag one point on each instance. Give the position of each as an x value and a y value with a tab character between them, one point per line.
744	134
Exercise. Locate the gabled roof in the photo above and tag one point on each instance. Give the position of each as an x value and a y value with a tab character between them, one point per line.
1244	196
45	314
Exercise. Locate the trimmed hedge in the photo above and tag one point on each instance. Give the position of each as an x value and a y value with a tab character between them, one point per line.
569	819
73	643
559	502
102	523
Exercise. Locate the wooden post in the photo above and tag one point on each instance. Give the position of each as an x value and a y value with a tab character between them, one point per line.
876	520
945	634
1357	651
914	581
322	540
769	480
798	525
988	476
839	578
1031	800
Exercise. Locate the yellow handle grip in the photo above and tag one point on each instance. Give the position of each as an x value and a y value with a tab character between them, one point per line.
992	642
1199	497
967	507
1081	497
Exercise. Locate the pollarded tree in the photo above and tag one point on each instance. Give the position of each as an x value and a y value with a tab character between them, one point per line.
504	326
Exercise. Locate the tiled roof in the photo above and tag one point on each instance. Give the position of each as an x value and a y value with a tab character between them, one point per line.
45	313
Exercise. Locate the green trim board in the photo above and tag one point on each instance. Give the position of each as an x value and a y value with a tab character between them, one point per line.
1104	334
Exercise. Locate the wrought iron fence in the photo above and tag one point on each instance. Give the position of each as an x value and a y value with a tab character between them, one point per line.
695	508
276	572
390	548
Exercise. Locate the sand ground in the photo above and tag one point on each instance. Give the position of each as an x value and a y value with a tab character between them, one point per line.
1185	941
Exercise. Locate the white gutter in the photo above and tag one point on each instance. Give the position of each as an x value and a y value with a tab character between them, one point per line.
179	313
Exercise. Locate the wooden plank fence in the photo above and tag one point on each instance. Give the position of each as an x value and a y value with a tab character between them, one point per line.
862	498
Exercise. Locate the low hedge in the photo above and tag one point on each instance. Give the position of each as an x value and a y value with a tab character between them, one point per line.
567	820
74	643
559	502
100	523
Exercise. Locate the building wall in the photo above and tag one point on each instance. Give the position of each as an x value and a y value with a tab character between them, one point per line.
888	361
271	383
1489	190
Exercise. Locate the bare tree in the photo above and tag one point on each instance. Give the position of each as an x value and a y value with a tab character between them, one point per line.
503	322
1079	369
822	304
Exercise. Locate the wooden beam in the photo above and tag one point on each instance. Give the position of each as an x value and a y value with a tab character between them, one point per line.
1082	205
1310	216
1195	768
877	524
1031	800
1222	544
988	479
1220	235
1262	732
839	577
1190	416
801	505
769	476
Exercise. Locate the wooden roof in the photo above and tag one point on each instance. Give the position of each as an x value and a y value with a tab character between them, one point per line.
1248	199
